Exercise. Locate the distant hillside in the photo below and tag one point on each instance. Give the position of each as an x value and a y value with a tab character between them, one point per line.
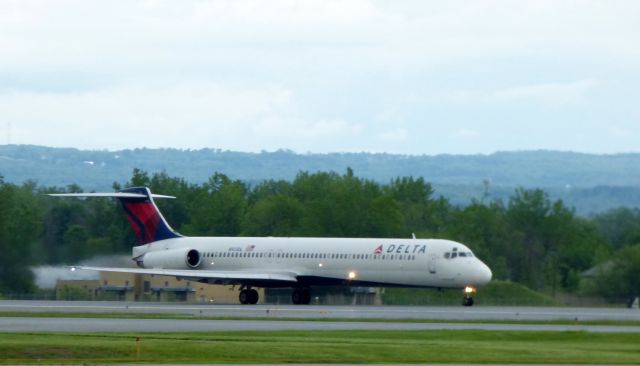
589	182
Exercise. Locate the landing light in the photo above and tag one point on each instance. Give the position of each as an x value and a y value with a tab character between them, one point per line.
469	289
320	265
72	269
352	275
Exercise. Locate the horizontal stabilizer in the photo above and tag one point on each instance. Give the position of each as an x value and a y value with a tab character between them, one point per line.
109	194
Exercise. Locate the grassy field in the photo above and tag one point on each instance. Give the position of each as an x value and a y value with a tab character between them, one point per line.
323	347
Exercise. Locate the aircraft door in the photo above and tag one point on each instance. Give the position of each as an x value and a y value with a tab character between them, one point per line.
432	263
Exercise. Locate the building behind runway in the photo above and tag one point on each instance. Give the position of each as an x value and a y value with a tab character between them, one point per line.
137	287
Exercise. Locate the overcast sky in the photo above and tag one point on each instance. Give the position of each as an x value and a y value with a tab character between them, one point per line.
414	77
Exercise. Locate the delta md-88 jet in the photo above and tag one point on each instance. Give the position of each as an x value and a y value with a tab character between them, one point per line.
297	263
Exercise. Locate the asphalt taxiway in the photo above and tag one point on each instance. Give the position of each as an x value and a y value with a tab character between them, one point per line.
439	313
28	324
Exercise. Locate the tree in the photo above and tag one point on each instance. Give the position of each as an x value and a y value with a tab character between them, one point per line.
620	277
620	226
218	207
551	246
20	227
414	197
277	215
75	243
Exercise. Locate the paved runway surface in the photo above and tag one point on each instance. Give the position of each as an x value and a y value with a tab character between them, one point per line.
332	312
20	324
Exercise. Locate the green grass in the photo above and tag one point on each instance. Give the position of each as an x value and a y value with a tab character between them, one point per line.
323	347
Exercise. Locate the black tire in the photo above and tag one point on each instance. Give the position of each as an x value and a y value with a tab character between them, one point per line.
467	301
306	297
244	297
253	296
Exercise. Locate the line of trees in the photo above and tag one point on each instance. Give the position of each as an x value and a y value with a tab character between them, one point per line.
529	239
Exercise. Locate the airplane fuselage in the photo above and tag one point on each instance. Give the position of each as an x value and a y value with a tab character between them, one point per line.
324	261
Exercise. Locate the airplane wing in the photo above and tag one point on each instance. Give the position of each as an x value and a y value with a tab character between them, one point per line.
217	277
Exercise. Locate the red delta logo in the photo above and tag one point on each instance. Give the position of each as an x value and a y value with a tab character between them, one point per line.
378	250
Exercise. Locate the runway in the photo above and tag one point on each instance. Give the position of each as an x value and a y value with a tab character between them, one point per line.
439	313
245	317
101	325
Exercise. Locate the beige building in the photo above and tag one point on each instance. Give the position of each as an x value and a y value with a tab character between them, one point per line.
136	287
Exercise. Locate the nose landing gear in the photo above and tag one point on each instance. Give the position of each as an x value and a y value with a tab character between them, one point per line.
467	300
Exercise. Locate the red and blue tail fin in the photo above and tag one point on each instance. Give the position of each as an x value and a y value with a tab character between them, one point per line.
147	222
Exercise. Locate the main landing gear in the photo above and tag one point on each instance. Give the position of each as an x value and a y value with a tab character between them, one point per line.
467	300
248	296
301	296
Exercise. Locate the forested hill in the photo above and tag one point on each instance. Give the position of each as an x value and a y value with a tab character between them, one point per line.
589	182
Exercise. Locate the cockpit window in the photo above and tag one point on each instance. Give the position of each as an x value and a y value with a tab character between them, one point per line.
455	253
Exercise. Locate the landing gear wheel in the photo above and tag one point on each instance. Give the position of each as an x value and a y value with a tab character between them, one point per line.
249	296
244	297
253	296
301	296
467	301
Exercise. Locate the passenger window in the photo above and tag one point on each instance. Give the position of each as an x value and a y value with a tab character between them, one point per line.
462	254
446	255
453	255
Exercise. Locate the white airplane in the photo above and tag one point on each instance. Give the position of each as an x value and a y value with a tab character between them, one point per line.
297	263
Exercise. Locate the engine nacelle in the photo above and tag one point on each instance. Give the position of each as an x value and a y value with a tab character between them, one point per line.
183	258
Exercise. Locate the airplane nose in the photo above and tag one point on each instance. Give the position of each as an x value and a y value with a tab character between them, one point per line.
485	274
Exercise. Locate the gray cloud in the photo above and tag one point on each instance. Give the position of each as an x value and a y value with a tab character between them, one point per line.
316	75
